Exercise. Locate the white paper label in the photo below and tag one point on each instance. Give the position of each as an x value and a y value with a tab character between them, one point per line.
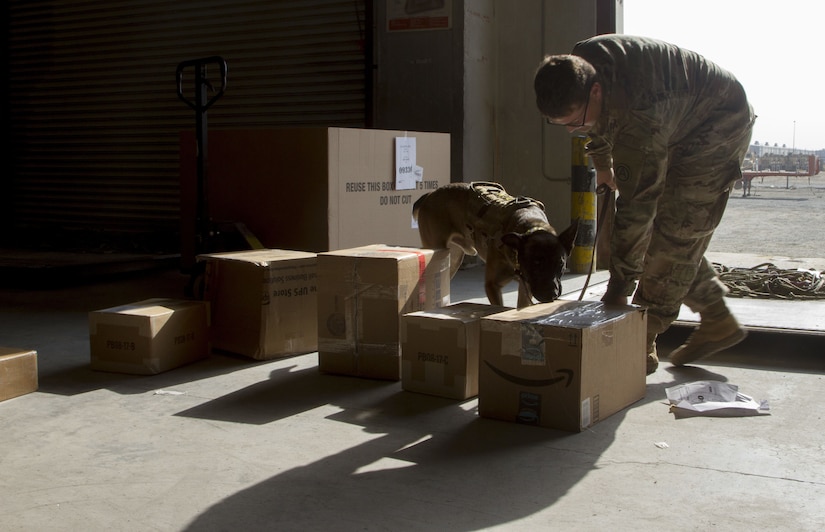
405	167
586	413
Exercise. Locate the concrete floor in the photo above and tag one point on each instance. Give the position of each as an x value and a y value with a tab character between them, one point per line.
278	446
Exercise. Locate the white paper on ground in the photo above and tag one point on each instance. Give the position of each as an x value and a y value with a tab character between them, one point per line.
713	398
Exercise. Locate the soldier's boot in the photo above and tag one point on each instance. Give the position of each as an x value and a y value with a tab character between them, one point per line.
718	330
652	356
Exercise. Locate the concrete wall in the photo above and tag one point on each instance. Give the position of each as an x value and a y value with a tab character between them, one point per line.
479	150
475	81
419	79
534	158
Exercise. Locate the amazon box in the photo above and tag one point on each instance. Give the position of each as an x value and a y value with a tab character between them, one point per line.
440	349
18	372
565	365
362	294
263	302
313	188
149	337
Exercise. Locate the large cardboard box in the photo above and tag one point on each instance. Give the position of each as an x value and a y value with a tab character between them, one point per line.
565	365
311	189
362	294
150	336
18	372
440	349
263	302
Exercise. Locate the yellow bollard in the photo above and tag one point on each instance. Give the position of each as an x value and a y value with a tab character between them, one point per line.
583	208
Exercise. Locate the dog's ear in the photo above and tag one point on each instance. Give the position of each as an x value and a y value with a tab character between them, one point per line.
417	205
512	240
568	237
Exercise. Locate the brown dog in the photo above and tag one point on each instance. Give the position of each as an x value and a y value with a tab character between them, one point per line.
511	235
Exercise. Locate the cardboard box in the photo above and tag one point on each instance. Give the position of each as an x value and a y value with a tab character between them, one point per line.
263	302
18	372
565	365
362	293
149	337
311	189
440	349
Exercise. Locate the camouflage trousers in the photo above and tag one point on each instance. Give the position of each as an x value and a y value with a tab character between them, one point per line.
697	186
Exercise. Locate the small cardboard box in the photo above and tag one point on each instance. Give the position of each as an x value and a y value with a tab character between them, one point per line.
263	302
362	294
312	189
149	337
18	372
565	365
440	349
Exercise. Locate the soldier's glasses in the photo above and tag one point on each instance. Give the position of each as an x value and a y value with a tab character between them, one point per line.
575	125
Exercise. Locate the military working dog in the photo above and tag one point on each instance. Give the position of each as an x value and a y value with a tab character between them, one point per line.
511	235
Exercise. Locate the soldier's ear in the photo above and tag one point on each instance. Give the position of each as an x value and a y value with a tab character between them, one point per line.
597	95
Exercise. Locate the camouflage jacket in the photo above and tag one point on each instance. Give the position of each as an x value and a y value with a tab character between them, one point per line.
657	97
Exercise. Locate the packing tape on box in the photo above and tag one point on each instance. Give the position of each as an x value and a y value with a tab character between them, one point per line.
334	346
586	315
532	346
422	268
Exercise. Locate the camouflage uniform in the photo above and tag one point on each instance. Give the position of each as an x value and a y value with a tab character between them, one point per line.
675	128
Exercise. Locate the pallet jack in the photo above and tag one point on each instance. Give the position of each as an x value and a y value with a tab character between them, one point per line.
206	235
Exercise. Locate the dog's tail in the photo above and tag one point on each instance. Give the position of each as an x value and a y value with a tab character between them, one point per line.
417	205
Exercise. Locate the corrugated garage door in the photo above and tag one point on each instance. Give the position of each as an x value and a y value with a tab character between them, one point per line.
95	118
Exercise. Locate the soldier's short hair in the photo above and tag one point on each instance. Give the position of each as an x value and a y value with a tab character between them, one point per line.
562	83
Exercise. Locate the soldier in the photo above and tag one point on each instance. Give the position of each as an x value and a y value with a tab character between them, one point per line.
669	130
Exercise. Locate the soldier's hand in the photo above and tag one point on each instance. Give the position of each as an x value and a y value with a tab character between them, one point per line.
614	299
614	295
606	177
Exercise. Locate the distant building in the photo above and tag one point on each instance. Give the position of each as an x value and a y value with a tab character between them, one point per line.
767	148
775	158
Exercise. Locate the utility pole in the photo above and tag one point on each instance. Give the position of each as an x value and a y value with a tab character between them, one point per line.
793	152
793	148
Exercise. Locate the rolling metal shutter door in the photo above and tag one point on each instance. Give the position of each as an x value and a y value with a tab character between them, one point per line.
95	117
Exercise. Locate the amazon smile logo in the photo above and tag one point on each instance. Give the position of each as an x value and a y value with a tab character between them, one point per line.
536	383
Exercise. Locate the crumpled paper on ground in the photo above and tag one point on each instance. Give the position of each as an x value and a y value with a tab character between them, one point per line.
713	399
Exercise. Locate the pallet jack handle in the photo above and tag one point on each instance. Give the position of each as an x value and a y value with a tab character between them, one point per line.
200	103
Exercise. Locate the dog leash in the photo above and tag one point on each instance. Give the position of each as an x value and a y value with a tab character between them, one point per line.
600	191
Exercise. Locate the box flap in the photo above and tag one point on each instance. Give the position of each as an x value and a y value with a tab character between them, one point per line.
258	257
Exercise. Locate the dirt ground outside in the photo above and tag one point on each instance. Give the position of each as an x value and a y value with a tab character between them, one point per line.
782	216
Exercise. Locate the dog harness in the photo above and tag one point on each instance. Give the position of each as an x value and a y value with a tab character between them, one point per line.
492	205
493	195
